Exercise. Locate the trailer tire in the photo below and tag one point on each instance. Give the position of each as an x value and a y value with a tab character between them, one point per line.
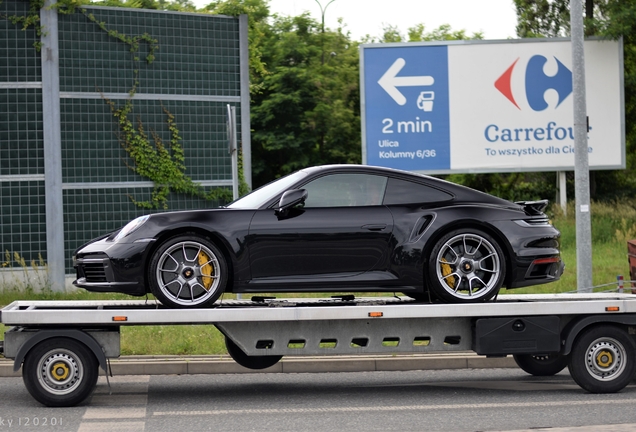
603	359
247	361
541	365
60	372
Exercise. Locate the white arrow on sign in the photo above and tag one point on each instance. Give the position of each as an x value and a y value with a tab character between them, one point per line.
390	81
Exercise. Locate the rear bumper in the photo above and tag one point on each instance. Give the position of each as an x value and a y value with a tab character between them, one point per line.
537	271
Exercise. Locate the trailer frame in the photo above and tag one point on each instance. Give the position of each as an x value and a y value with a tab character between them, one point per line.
593	334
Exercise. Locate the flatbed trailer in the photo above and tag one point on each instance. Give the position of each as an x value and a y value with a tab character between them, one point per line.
61	345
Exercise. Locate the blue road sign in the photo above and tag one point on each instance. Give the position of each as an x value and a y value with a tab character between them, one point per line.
407	120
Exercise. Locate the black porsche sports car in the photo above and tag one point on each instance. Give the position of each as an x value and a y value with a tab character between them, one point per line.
331	228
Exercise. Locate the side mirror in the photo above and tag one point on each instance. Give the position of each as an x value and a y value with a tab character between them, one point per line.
290	198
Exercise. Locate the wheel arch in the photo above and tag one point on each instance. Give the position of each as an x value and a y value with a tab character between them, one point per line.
77	335
184	230
470	223
574	328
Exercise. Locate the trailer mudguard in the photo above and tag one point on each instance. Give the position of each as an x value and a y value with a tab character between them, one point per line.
78	335
574	327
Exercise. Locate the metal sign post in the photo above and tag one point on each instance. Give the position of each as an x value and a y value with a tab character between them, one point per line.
581	162
232	149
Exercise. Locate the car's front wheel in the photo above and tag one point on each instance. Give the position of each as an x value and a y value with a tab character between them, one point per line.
466	265
187	271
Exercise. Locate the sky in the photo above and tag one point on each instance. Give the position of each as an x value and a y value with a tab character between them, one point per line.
495	18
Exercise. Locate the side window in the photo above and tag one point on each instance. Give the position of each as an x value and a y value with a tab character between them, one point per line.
345	190
406	192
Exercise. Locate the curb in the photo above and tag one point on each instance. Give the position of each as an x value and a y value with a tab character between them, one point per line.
189	365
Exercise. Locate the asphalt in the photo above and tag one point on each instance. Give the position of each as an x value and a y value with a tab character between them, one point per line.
189	365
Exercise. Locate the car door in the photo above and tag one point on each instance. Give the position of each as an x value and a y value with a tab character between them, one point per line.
342	231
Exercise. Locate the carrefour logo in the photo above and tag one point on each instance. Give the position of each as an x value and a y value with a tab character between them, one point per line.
536	83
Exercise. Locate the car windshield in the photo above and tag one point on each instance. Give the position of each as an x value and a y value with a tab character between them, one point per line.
262	195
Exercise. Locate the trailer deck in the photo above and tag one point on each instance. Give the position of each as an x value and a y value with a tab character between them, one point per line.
61	344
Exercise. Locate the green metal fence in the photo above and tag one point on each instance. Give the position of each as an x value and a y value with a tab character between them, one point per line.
199	66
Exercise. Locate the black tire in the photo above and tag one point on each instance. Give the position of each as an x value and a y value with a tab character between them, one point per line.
603	359
187	271
250	362
60	372
541	365
465	266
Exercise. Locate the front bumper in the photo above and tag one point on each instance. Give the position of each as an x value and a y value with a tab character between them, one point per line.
105	266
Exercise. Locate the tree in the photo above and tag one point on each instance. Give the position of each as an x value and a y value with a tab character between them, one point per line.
418	33
306	112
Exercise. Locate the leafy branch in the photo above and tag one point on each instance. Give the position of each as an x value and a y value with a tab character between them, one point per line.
163	163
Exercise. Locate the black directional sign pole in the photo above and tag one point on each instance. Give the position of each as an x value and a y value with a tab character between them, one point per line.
581	162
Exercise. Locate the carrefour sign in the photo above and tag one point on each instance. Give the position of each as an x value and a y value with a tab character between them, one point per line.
478	106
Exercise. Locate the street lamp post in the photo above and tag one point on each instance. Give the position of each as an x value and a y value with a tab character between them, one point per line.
322	30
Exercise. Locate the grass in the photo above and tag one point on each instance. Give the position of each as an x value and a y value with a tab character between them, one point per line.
612	225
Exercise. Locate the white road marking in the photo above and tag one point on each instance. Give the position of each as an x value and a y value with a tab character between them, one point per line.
398	408
129	400
112	426
598	428
119	399
93	413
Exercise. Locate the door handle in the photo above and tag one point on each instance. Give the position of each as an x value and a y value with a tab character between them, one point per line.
374	227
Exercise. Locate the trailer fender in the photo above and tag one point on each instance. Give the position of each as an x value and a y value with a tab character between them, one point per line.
77	335
572	330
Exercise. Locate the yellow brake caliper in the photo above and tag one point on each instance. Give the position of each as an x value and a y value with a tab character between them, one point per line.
206	270
446	271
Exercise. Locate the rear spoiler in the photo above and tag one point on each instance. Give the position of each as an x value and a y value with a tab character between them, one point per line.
533	208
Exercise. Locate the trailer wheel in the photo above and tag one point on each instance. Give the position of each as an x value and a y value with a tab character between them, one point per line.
60	372
603	359
247	361
541	365
187	271
466	265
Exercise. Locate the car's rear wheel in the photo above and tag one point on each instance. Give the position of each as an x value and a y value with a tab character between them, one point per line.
187	271
466	265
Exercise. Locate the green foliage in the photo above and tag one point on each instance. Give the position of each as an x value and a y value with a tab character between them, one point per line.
174	5
514	186
612	224
163	164
542	18
132	41
307	110
418	33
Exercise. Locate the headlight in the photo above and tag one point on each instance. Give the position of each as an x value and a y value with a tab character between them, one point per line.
130	227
